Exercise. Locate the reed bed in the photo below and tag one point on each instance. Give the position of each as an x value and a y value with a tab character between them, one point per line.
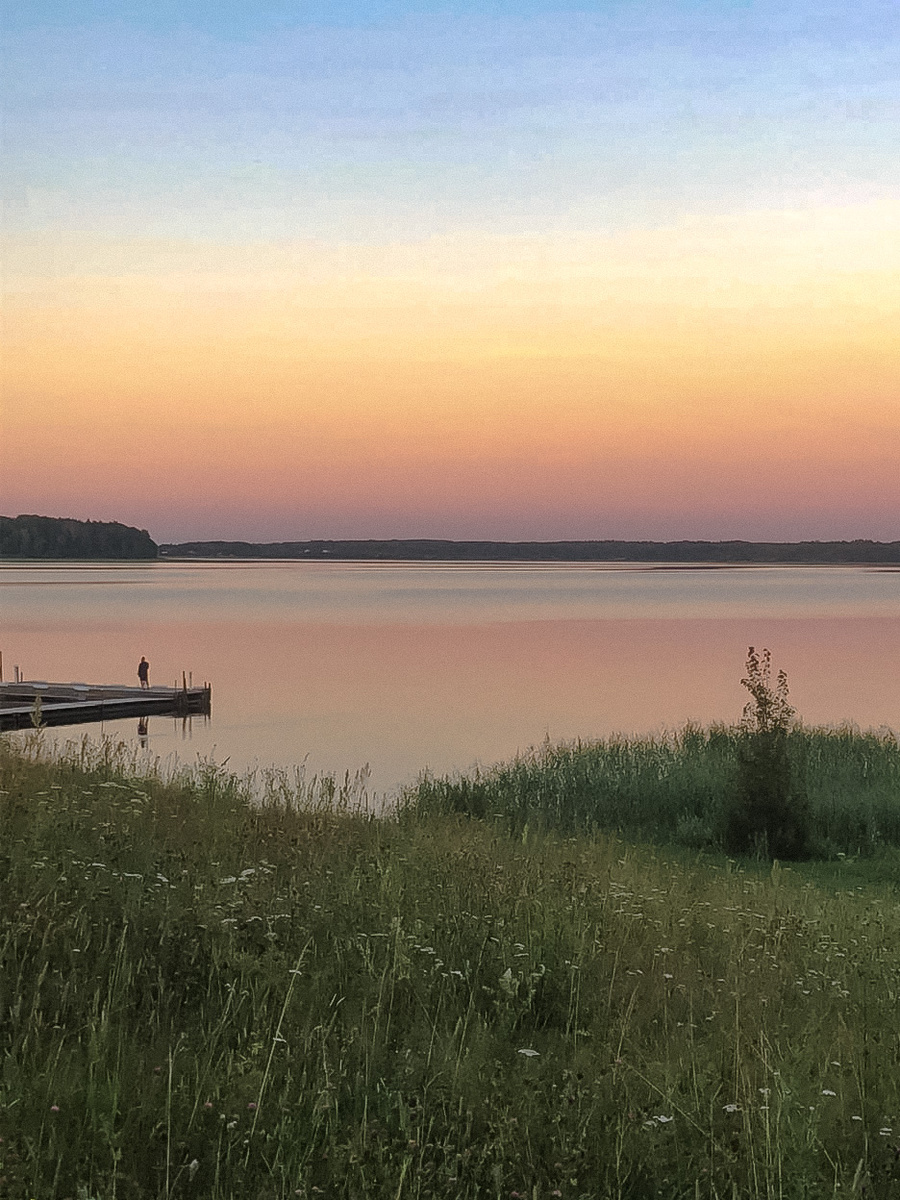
676	787
208	997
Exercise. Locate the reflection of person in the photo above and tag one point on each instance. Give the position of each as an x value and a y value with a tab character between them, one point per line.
142	731
143	672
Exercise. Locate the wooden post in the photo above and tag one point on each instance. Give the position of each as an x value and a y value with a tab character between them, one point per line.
183	682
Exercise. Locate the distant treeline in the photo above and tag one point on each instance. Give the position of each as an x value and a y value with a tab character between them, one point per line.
433	550
61	537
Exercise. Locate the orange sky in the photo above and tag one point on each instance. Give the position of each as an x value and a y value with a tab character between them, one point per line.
722	376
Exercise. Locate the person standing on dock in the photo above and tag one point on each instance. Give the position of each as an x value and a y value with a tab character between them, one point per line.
144	672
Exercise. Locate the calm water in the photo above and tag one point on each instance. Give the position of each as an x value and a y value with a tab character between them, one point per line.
406	666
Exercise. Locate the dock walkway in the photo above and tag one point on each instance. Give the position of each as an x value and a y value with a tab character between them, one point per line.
74	703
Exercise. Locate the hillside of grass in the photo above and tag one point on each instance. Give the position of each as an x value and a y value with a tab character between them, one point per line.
208	997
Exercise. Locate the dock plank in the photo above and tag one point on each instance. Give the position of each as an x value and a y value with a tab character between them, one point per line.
77	703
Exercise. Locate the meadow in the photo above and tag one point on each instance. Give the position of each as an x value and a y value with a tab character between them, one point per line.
543	980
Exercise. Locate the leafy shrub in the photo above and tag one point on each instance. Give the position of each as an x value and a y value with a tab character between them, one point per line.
770	812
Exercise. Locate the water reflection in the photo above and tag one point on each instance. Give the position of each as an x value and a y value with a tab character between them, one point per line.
182	729
343	666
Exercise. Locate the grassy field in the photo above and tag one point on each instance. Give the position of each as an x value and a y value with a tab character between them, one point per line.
202	997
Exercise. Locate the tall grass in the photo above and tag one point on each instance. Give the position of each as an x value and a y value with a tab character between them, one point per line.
678	787
203	997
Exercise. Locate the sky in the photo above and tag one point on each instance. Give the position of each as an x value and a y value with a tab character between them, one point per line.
509	270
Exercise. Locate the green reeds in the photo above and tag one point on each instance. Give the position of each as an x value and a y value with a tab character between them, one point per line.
679	788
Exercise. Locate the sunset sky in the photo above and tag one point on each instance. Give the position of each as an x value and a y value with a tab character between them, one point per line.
497	270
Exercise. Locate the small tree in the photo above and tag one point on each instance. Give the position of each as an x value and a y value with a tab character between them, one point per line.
770	812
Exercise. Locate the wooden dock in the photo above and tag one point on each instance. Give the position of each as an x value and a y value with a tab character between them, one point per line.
74	703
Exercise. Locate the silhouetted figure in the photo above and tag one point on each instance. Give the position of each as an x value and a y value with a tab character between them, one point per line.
144	672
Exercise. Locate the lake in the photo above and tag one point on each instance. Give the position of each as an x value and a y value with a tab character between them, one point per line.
406	666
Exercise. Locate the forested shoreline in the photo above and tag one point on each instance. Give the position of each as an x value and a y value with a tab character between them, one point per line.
38	537
30	536
440	550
